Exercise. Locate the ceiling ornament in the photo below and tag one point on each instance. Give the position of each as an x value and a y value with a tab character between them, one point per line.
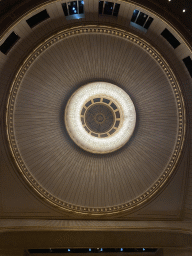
100	117
17	144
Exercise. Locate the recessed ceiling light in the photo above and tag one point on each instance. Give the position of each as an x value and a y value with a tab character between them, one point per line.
184	10
169	0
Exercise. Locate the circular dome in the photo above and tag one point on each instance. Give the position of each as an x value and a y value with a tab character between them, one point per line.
61	172
100	117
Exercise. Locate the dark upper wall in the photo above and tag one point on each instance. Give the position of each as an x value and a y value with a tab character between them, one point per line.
11	10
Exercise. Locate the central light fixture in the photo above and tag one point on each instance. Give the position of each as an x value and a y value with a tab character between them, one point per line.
100	117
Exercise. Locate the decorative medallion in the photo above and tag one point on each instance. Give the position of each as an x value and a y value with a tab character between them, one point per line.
100	117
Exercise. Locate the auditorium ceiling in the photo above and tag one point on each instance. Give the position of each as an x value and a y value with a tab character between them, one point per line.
95	115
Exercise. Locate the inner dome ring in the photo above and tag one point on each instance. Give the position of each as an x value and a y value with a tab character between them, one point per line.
116	99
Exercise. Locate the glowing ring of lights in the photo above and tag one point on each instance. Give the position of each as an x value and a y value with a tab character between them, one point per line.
79	134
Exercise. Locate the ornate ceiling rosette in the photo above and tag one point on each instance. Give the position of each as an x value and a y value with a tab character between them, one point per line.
53	164
100	117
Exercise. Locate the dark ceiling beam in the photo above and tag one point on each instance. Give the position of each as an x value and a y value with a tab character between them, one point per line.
95	239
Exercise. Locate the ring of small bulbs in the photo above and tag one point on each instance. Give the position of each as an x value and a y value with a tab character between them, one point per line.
75	127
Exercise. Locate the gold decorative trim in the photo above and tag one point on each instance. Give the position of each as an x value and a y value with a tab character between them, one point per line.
90	29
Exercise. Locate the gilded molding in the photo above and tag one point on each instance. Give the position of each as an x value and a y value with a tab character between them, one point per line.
90	29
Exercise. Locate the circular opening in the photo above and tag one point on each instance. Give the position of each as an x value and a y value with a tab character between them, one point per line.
100	117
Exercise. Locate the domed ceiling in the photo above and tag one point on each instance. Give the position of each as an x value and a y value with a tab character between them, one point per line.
52	163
